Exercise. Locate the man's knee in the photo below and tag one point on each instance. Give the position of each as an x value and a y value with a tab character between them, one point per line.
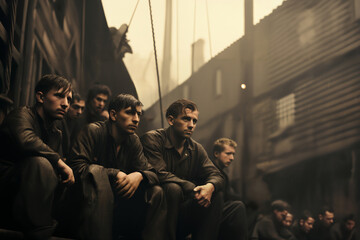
38	166
154	194
173	190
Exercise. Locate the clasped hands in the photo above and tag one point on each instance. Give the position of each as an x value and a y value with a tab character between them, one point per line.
203	194
127	184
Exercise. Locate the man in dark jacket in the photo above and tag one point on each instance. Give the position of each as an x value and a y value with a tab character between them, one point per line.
323	224
116	178
345	230
69	123
31	165
270	227
233	222
190	180
303	226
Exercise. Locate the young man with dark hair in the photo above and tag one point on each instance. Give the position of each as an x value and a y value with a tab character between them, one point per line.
345	229
323	224
233	222
69	124
96	101
77	107
190	180
270	226
120	188
304	225
31	157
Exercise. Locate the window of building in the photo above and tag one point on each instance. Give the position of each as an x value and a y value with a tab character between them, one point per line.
218	82
285	111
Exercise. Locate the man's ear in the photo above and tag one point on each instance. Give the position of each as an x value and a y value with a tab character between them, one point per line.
39	97
320	217
216	154
112	115
170	120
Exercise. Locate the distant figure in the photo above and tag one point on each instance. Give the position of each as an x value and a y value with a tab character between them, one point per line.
76	108
5	104
69	124
31	164
323	224
233	222
344	230
191	182
96	101
288	221
303	226
120	192
270	227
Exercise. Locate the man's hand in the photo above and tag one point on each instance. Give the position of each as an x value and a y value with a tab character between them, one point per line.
127	184
203	194
66	173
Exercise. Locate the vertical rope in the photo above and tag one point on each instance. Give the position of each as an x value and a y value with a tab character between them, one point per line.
208	22
157	67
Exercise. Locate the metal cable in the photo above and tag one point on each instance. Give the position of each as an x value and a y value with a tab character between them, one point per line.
208	22
157	67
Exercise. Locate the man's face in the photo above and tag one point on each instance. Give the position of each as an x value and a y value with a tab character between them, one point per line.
185	123
226	156
287	222
280	215
127	120
307	225
55	103
327	219
98	103
76	109
349	225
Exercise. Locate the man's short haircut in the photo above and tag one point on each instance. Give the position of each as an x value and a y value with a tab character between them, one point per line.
219	144
351	217
179	106
305	215
98	89
122	101
52	81
76	97
326	208
280	205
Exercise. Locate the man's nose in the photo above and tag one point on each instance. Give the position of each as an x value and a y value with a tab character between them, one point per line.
65	103
191	124
136	118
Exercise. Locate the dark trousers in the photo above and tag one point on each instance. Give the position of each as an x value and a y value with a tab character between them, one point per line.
105	216
35	183
185	216
233	224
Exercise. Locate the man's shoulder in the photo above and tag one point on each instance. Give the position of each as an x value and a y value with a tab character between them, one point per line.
95	128
22	111
154	135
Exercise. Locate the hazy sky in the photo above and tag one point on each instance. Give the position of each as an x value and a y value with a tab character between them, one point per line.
226	18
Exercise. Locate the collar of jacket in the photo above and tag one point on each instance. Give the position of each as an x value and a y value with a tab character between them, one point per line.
189	143
51	128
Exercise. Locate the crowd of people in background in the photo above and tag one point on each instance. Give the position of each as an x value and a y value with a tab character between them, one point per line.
77	168
281	223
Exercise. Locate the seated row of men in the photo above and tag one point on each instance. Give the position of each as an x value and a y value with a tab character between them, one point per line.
113	185
280	225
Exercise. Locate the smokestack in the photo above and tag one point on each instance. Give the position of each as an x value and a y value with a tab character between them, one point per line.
198	58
